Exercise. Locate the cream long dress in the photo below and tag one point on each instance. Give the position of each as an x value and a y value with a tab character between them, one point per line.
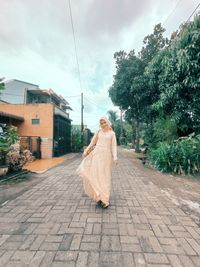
95	169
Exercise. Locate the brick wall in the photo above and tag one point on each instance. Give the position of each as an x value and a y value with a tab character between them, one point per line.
47	148
43	112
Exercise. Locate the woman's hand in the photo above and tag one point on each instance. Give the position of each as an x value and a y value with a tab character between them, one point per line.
84	153
116	162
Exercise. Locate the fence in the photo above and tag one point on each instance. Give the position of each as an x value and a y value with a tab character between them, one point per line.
32	143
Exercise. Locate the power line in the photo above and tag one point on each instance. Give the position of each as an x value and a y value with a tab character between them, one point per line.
88	115
75	46
178	33
79	74
176	8
91	101
71	96
193	12
172	12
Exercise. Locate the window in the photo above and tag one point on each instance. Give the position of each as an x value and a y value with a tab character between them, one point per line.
35	121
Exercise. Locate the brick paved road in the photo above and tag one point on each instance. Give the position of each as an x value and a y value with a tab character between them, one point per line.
54	224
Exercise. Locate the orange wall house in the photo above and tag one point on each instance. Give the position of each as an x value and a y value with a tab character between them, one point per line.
38	121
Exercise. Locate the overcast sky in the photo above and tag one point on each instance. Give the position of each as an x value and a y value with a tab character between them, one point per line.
36	43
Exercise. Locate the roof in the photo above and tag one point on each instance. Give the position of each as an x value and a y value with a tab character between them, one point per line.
42	91
64	100
2	101
50	92
39	91
12	116
12	80
59	97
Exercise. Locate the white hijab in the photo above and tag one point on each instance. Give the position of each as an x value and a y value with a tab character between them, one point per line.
107	121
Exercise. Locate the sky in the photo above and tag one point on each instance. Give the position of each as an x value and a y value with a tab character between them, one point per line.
37	45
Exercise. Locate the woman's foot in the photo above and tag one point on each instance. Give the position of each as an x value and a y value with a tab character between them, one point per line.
104	206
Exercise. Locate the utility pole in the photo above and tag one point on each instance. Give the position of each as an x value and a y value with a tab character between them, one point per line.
82	125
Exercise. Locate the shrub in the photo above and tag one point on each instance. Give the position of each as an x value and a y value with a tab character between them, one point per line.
8	136
163	130
16	159
181	157
159	157
76	144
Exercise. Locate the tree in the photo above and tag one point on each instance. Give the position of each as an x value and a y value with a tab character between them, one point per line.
125	91
153	44
76	143
151	55
116	125
153	73
130	89
2	85
179	80
113	117
128	130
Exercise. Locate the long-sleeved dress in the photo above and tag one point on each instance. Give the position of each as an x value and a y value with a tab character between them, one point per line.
95	169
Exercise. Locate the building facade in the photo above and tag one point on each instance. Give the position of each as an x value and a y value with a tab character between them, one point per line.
15	91
40	116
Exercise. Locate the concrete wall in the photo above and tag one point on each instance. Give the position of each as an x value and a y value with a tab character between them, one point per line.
15	91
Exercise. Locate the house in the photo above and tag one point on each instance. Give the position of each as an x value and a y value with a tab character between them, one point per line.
15	91
41	117
1	101
10	119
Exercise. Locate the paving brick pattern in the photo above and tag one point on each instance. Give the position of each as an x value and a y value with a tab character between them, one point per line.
55	225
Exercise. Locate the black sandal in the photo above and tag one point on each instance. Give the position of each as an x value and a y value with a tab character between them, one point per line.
99	203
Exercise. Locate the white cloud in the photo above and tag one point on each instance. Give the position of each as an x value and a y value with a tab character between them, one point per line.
36	43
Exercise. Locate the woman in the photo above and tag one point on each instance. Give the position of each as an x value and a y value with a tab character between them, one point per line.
96	166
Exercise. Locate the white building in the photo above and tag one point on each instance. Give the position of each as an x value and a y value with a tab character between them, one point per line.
15	91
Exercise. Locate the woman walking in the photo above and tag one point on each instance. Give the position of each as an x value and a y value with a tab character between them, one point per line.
95	169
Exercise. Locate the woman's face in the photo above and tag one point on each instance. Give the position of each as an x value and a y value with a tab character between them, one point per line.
103	124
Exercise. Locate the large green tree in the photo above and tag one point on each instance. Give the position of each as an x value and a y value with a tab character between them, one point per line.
153	43
130	89
125	91
179	79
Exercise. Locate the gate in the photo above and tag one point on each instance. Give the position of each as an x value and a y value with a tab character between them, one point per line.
62	136
32	143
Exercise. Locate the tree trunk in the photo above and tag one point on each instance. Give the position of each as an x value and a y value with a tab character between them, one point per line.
137	148
133	135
